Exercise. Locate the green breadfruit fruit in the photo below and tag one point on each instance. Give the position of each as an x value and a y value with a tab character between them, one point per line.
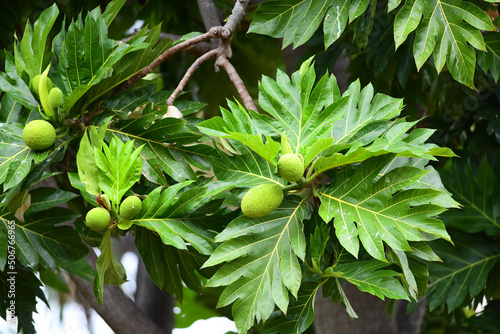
97	219
35	84
291	167
261	200
130	207
39	135
55	97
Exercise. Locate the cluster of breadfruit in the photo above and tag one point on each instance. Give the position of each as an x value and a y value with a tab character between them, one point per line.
99	218
265	198
39	134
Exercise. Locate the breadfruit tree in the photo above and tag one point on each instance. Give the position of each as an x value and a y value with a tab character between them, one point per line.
262	195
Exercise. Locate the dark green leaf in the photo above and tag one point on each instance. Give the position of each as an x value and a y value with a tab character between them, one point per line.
45	198
300	314
38	240
479	193
464	270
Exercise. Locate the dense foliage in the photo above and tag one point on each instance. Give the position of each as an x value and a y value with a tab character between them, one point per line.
383	203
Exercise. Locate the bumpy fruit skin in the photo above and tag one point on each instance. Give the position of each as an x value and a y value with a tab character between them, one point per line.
130	207
55	97
97	219
261	200
291	167
39	135
35	84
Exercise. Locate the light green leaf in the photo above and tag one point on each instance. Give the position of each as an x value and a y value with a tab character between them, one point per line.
368	277
109	269
446	30
246	170
263	262
336	20
111	10
34	40
176	219
294	20
87	166
120	167
382	211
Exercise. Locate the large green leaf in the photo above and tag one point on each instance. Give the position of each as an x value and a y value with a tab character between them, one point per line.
175	216
479	193
39	241
263	262
132	62
33	43
168	266
167	142
379	210
245	169
10	112
449	30
463	274
86	55
297	20
237	125
44	198
302	112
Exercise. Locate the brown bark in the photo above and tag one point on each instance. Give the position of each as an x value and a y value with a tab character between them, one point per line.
119	312
374	318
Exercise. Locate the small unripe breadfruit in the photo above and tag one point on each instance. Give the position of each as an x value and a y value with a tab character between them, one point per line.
130	207
55	97
39	135
35	84
291	167
261	200
97	219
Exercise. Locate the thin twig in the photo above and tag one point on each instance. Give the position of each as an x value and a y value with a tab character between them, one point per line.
189	73
214	32
237	82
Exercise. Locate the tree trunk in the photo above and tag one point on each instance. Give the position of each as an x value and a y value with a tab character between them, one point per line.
373	316
157	304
